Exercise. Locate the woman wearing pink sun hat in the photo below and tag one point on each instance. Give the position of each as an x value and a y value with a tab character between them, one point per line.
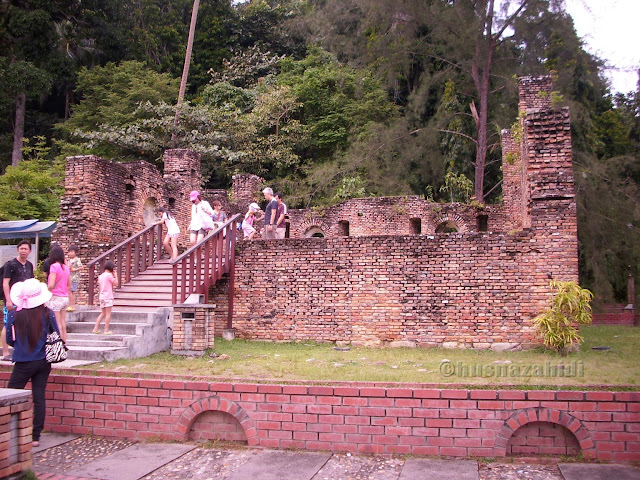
27	328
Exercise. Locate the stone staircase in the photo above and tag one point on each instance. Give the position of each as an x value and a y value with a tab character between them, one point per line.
141	320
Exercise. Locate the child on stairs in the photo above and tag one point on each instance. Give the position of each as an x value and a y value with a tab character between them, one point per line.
107	281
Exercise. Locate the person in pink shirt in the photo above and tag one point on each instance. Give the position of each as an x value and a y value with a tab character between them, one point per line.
107	281
59	283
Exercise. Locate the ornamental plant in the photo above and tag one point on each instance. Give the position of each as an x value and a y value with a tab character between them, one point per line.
570	305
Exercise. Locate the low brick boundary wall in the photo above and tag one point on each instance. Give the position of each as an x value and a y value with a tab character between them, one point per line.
363	418
616	314
16	426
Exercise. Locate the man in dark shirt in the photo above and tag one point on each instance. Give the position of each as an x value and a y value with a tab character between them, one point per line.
270	215
281	226
15	270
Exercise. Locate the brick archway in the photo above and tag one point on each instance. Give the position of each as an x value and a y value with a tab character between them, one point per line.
215	403
529	415
312	224
437	219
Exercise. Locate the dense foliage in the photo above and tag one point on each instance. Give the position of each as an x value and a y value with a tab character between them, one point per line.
326	99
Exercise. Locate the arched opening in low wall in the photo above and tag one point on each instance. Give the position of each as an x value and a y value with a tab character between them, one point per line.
543	431
543	438
216	418
217	425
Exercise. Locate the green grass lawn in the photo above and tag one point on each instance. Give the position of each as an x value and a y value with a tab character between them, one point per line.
322	362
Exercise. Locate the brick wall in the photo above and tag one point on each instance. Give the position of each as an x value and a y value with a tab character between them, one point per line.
616	314
469	290
16	425
410	215
350	417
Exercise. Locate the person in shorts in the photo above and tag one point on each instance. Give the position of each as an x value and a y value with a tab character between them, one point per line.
59	283
201	221
75	265
107	281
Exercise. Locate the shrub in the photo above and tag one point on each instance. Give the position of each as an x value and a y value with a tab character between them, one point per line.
571	304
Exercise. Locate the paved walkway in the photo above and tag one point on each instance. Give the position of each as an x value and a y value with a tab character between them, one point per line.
70	457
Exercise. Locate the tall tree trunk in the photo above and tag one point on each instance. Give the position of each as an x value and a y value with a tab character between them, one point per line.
18	130
187	62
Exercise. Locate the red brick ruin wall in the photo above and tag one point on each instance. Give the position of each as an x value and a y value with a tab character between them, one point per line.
105	202
460	289
347	417
410	215
472	290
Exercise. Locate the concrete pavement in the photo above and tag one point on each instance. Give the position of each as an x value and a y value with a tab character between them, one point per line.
72	457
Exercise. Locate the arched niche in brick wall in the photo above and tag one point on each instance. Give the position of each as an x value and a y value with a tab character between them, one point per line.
149	211
313	227
447	227
543	438
448	223
215	425
220	405
543	417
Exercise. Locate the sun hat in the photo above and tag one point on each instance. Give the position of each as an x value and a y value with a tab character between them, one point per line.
254	207
29	294
194	195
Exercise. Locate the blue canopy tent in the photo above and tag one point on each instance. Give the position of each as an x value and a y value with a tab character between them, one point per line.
27	229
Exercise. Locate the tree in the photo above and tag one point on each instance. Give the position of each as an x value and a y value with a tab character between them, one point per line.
187	59
110	94
32	189
26	48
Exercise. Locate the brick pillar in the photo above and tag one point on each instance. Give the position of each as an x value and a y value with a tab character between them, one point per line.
547	158
245	189
16	425
181	175
193	327
534	92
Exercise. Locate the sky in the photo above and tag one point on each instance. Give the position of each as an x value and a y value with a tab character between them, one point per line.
610	30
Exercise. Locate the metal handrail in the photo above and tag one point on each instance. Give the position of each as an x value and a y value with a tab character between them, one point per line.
205	263
138	253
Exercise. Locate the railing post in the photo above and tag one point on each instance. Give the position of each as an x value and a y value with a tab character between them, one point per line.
174	283
207	266
231	255
119	265
136	257
127	275
92	272
183	287
144	249
159	233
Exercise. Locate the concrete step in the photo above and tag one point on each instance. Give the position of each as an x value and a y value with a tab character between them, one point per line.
98	354
148	295
87	338
137	332
136	304
89	317
117	342
82	328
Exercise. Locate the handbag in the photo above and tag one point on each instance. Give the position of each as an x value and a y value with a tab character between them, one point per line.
55	349
207	221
